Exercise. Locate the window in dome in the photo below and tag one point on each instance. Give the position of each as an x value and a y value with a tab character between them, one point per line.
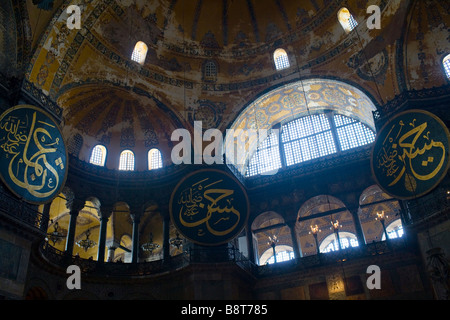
210	71
98	155
139	53
347	20
126	161
446	63
154	159
307	138
267	156
281	59
352	133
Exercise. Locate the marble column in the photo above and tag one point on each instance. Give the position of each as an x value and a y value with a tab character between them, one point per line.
295	244
74	206
136	217
104	214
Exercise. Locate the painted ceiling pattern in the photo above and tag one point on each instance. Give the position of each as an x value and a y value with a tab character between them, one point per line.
239	36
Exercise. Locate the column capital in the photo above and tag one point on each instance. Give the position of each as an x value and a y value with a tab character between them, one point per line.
105	212
136	216
74	205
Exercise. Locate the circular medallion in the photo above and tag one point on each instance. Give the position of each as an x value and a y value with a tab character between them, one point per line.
33	155
209	207
410	156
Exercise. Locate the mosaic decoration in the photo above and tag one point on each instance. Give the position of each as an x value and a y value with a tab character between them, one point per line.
209	207
33	155
411	154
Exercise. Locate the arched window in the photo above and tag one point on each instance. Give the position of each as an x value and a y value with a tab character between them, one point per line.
352	133
346	239
154	159
98	155
139	53
126	161
210	71
347	20
281	59
446	64
267	156
308	138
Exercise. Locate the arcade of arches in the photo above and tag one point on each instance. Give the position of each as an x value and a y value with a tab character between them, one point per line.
311	73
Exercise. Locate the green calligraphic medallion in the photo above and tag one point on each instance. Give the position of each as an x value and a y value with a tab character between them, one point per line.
33	155
411	154
209	207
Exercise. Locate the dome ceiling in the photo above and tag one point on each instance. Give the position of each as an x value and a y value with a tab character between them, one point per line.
217	24
108	98
112	114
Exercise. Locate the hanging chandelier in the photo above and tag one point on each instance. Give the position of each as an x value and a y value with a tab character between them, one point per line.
87	243
150	246
177	241
55	236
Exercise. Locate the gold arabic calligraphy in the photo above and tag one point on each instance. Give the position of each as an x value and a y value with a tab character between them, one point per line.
22	168
397	157
198	198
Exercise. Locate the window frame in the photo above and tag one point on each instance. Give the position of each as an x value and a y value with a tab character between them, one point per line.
348	25
446	66
140	48
330	143
150	159
261	167
103	151
127	166
284	62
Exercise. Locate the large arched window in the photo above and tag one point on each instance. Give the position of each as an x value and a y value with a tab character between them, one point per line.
308	115
126	161
139	53
281	59
154	159
308	138
98	155
346	20
446	64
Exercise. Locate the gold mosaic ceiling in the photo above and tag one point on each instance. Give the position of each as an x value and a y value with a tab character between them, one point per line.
107	98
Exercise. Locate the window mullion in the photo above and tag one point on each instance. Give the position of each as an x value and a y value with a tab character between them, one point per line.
330	117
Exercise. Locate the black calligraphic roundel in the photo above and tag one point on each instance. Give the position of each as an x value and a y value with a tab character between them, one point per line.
411	154
209	207
33	155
